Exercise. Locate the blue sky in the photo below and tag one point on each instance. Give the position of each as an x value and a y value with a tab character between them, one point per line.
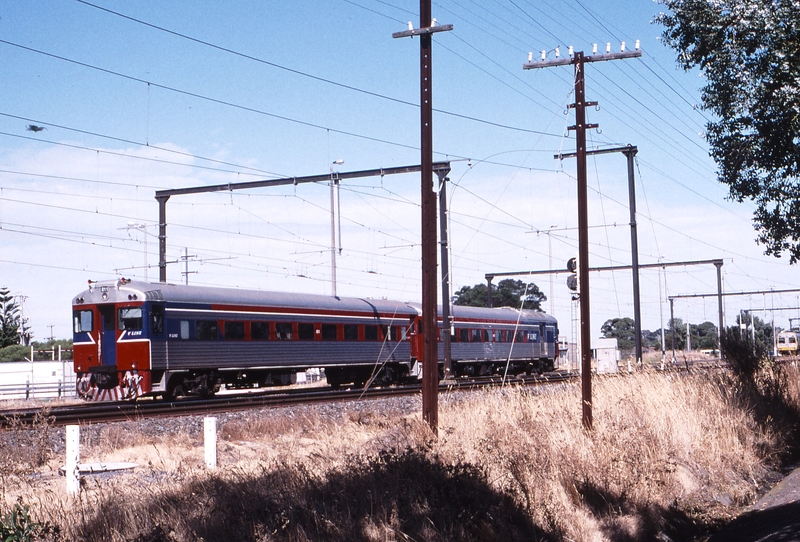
138	97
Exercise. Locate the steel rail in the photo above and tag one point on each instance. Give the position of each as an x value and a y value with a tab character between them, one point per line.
126	411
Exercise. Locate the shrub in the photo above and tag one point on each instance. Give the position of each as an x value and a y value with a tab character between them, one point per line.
17	525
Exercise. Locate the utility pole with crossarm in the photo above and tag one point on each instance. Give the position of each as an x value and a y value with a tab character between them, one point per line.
430	332
578	60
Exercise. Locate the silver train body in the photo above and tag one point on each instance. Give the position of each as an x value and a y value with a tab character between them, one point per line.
137	338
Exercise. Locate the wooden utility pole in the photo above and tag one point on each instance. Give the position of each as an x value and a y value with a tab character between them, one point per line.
578	60
430	331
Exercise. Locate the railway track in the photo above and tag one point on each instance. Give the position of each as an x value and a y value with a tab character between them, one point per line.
125	411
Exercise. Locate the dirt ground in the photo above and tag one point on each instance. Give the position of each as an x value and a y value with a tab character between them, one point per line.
774	518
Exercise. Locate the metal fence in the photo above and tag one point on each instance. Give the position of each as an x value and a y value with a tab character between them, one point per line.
48	390
36	380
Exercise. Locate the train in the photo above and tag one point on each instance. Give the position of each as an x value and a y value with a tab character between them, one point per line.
787	343
135	339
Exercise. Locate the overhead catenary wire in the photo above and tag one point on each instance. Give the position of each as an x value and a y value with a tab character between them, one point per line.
465	218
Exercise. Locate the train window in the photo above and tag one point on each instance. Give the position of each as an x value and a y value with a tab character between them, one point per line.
184	329
305	332
370	333
520	338
475	336
206	330
130	318
234	330
792	339
283	331
350	332
463	335
259	331
328	332
156	318
83	321
533	336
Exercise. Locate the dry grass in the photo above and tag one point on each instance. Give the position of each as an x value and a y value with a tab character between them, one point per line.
668	456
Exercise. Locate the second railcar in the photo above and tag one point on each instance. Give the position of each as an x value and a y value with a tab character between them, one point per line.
486	341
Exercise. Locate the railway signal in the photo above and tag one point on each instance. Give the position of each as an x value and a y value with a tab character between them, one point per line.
572	279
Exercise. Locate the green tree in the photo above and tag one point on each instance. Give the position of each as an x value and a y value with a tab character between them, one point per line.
651	339
747	51
763	330
507	293
622	329
680	334
704	336
9	323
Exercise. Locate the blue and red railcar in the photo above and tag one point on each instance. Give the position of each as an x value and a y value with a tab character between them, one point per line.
134	339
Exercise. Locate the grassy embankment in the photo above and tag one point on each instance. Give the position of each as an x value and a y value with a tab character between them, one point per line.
669	455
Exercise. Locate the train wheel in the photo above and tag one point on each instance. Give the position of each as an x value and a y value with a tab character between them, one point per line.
175	388
333	377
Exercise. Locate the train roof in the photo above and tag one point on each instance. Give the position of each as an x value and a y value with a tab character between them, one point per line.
504	313
125	290
464	313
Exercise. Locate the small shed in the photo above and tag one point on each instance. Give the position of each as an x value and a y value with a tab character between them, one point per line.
606	355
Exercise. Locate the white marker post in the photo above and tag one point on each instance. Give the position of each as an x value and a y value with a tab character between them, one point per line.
210	439
73	458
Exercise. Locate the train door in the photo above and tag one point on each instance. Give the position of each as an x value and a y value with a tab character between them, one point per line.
108	335
534	337
551	340
415	337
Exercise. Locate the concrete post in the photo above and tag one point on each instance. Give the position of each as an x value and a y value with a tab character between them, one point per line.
210	440
73	459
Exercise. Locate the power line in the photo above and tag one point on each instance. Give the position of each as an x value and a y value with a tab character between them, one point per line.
132	142
122	154
298	72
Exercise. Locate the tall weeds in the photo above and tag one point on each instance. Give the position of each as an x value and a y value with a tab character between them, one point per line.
669	455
